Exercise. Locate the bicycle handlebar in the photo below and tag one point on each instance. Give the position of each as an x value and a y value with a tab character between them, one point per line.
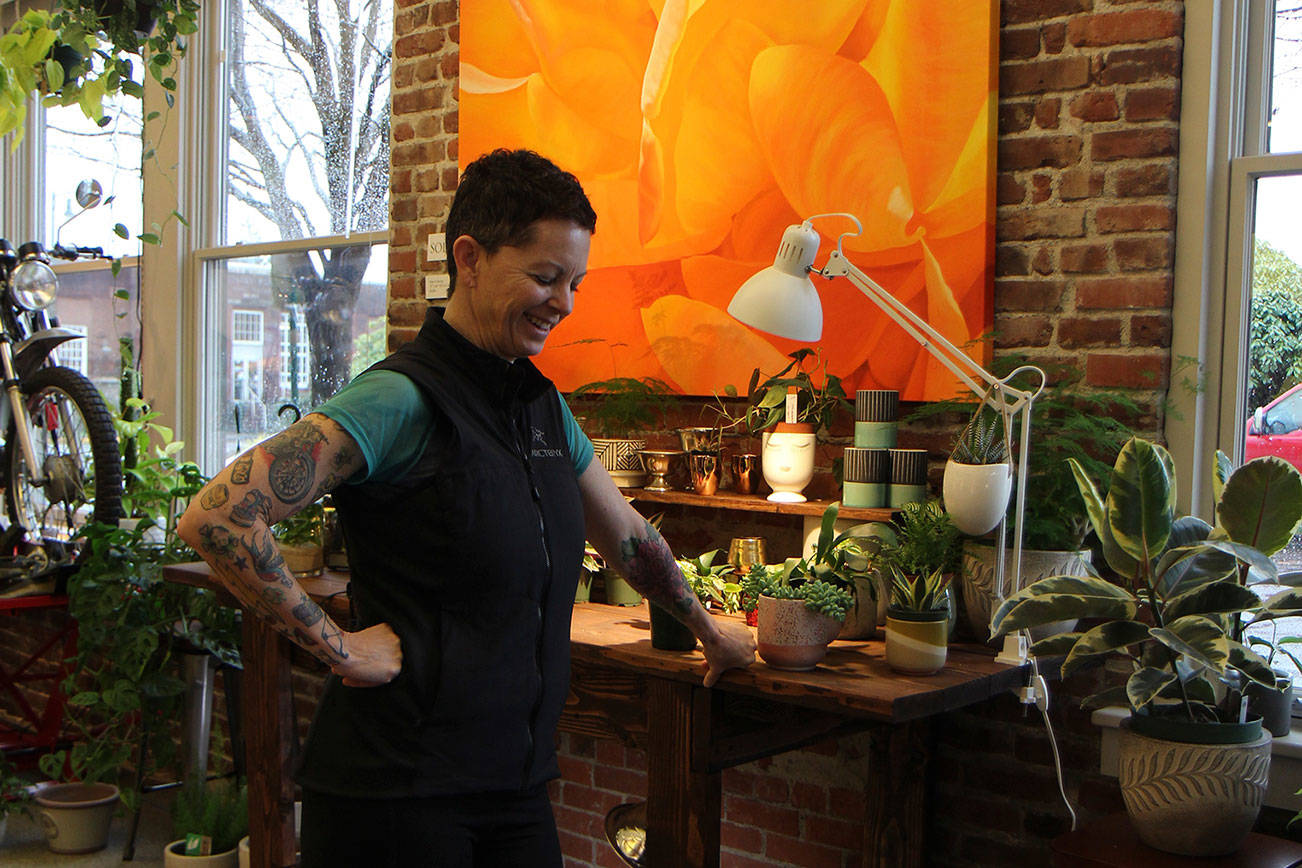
74	253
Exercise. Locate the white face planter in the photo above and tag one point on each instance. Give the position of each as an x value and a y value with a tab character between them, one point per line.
788	461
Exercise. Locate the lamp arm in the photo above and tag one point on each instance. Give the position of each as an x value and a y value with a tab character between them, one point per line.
996	392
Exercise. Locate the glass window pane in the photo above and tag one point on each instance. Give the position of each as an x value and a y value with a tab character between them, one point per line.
1274	397
309	127
1285	133
86	303
75	149
288	329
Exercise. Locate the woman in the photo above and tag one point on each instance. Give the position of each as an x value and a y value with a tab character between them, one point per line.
465	491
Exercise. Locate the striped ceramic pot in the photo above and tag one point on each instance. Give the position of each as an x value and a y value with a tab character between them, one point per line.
916	642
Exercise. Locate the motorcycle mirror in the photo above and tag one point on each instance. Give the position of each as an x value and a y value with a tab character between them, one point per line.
89	192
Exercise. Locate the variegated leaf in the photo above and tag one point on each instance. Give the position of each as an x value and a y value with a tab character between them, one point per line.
1145	684
1261	505
1060	598
1197	637
1140	505
1104	639
1220	596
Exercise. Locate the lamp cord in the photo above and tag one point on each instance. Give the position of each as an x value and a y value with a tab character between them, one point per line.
1040	693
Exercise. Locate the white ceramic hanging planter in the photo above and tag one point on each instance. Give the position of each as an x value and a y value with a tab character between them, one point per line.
976	495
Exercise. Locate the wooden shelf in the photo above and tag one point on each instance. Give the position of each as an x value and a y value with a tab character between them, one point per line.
753	503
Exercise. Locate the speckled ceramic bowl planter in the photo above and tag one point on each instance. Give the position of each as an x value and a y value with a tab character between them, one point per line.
791	637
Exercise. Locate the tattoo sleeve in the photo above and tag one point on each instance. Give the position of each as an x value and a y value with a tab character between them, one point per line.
649	565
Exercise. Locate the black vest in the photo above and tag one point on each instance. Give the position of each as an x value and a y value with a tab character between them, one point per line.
473	559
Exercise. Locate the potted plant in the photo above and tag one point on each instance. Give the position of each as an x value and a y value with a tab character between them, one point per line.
799	613
1274	703
1067	422
615	412
124	690
917	621
926	542
300	540
208	822
978	475
81	52
792	411
15	795
848	560
1192	772
712	586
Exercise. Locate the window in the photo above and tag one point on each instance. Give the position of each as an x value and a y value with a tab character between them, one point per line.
1238	305
246	327
73	353
301	210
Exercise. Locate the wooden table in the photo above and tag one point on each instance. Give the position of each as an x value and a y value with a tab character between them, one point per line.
654	700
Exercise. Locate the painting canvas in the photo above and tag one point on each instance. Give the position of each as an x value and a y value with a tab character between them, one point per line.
701	129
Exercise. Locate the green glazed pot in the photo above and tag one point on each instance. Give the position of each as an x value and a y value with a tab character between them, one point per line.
668	633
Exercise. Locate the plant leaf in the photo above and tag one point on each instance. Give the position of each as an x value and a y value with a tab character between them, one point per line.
1261	505
1141	500
1215	597
1055	646
1104	698
1104	639
1198	638
1059	598
1145	684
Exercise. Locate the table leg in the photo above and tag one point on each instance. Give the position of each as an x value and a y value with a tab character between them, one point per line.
683	799
895	820
269	737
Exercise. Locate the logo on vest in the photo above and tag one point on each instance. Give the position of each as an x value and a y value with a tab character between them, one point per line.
540	447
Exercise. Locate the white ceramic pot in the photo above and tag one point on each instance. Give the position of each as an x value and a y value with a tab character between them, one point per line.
174	857
790	636
976	495
1192	799
243	851
76	817
303	560
787	462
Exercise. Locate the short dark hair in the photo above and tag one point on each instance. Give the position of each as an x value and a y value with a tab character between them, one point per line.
503	193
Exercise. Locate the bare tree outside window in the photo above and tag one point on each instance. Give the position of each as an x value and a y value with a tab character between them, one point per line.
309	153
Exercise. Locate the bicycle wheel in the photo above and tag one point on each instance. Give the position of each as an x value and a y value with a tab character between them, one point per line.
81	468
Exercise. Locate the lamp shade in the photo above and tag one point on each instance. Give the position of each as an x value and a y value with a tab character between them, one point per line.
781	299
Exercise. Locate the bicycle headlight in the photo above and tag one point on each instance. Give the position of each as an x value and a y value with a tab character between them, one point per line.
34	285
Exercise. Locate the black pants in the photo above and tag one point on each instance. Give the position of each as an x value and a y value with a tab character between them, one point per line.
497	830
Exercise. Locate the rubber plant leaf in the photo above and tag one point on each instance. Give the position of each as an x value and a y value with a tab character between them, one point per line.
1112	696
1121	562
1286	602
1251	664
1109	638
1198	638
1221	470
1145	684
1059	598
1261	569
1141	500
1261	505
1055	646
1217	597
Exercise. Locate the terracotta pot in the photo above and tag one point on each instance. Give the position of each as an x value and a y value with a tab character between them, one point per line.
917	643
791	637
1195	799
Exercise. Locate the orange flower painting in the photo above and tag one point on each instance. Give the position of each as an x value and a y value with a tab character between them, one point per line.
701	129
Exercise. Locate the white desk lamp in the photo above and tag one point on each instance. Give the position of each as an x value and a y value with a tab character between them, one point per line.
781	299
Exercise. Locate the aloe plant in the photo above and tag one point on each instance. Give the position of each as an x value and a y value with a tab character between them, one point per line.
982	439
1184	594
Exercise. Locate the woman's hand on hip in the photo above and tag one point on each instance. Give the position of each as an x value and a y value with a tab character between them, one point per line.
374	657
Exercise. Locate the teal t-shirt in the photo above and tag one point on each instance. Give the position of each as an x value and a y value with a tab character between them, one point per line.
386	414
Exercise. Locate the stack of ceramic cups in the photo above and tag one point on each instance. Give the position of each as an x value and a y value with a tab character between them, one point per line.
877	474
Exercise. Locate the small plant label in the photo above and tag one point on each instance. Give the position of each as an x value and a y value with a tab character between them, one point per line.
198	845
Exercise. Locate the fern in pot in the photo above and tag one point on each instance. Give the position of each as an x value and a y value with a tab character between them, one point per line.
1193	760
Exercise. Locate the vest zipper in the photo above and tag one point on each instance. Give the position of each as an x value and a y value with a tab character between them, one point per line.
523	444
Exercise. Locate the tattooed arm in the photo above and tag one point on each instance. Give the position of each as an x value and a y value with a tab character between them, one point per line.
636	550
229	525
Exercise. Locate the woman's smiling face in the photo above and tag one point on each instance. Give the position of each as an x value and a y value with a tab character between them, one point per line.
509	301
